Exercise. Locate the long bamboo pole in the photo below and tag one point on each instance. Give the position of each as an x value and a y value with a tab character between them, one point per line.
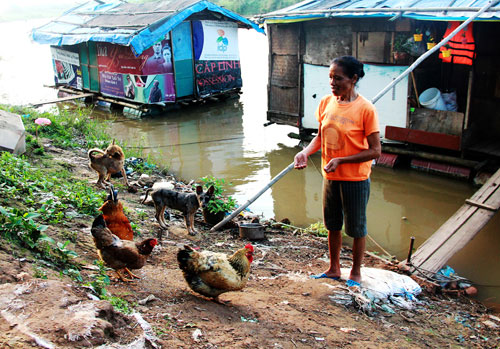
255	197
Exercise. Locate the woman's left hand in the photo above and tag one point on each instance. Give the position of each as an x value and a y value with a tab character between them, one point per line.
332	165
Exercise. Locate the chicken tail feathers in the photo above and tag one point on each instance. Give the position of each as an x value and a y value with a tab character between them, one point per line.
183	257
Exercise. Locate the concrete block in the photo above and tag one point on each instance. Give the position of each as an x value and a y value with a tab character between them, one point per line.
12	133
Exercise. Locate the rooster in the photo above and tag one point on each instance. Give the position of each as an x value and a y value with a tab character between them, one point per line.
115	219
120	254
211	273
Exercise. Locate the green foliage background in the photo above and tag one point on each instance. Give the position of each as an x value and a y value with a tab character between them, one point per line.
248	7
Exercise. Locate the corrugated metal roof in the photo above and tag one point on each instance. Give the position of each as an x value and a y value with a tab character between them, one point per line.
135	25
417	9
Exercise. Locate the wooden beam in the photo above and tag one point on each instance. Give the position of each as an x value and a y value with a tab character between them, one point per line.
480	205
62	99
433	139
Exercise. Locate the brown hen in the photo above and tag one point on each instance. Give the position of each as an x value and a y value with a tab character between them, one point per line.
211	274
120	254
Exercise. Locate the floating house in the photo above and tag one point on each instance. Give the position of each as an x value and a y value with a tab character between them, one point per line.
448	105
149	53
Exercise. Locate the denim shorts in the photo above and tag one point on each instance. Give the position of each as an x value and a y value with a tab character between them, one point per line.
349	199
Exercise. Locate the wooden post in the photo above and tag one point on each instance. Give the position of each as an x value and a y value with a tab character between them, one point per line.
415	88
469	93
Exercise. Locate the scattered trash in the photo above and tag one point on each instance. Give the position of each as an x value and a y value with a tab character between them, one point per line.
93	297
495	318
348	329
197	334
380	290
448	278
243	319
319	339
149	298
490	324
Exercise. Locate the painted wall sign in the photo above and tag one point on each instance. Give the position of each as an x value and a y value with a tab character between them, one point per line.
217	60
124	75
66	68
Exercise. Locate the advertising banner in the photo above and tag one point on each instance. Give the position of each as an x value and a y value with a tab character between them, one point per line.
124	75
66	68
217	60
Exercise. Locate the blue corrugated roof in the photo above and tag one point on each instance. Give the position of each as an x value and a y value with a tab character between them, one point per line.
416	9
135	25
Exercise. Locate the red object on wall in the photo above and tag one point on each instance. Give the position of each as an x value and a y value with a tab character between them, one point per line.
433	139
462	45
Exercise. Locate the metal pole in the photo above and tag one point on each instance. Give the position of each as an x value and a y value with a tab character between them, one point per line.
255	197
395	10
432	50
410	251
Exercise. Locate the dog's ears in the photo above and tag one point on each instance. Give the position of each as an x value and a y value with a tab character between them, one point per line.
210	190
199	189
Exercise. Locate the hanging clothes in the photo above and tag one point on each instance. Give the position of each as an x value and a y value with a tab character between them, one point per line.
462	45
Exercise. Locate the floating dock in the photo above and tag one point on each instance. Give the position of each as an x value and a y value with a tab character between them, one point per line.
461	228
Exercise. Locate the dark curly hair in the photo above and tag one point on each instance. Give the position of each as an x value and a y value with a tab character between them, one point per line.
350	65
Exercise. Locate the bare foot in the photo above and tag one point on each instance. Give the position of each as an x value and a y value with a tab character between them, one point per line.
355	277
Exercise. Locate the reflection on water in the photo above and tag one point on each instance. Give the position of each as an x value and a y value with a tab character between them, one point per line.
228	140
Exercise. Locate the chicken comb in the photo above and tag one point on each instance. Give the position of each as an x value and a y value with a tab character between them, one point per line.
249	246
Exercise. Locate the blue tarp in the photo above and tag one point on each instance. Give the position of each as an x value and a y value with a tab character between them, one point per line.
70	28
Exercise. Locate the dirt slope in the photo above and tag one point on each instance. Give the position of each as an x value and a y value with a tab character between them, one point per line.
279	308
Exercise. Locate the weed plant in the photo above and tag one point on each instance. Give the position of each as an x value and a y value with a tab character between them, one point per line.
218	202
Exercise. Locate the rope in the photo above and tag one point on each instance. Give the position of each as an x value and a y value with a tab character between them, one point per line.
180	144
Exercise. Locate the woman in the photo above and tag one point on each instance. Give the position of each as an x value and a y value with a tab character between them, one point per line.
348	137
167	59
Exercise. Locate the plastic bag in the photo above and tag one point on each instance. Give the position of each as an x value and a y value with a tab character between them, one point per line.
450	100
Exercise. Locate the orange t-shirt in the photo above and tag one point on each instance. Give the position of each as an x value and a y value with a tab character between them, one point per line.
344	129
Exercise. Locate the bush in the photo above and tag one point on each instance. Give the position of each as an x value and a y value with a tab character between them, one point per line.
218	203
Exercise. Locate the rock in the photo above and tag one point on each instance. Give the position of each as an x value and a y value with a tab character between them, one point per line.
12	133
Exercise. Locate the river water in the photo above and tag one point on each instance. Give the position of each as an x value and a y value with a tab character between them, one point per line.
229	140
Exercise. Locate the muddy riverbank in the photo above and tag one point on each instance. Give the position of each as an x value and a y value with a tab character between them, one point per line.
280	306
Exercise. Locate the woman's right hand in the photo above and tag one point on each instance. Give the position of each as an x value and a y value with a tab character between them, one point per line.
300	160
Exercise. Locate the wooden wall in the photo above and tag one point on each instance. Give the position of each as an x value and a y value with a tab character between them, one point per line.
371	40
284	102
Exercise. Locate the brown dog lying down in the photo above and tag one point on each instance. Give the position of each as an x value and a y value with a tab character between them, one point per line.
187	203
108	162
